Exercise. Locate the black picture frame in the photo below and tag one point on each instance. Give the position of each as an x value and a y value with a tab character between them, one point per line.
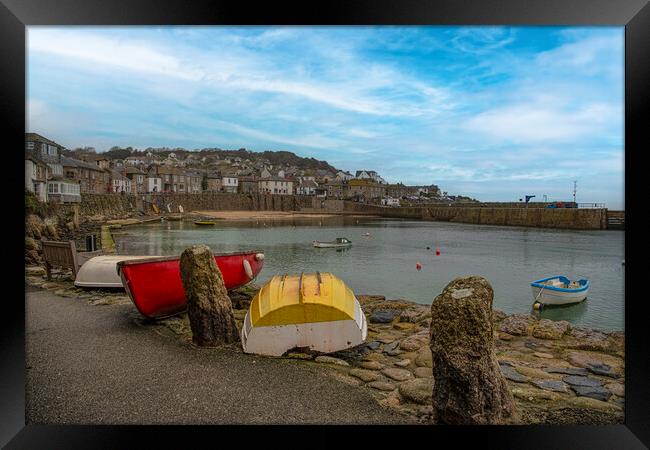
15	15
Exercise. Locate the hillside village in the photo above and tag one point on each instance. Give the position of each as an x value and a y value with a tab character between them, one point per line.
56	174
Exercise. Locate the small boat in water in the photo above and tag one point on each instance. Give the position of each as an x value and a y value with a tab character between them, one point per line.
337	243
311	310
155	285
101	271
204	222
559	290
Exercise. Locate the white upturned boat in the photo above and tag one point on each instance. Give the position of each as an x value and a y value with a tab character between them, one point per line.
559	290
315	311
101	271
337	243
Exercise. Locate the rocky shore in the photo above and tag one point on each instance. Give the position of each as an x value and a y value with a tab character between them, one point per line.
557	373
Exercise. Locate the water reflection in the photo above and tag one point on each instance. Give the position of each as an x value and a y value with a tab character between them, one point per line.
384	262
572	313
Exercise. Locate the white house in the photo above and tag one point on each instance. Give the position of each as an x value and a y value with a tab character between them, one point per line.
63	191
229	183
306	187
343	176
153	184
36	172
119	183
389	201
275	185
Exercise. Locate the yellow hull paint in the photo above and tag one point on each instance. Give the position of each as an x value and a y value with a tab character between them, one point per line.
304	298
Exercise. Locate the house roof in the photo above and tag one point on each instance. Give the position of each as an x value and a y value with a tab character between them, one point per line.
71	162
39	138
275	179
309	183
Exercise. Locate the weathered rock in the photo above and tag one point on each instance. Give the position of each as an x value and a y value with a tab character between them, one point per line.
512	375
403	362
566	370
543	355
423	372
390	347
33	226
588	339
533	372
371	365
52	232
498	316
382	385
365	375
304	356
410	344
517	324
397	374
587	359
394	352
367	299
616	388
424	358
208	305
403	326
330	360
596	392
549	329
32	244
418	390
589	403
550	385
534	395
383	315
34	271
602	369
574	380
374	345
469	387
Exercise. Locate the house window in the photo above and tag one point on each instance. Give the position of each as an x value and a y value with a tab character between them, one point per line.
29	145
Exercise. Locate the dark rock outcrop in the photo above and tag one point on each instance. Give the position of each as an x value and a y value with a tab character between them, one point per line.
469	387
208	306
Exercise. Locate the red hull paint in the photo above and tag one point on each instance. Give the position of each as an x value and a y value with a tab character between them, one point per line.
155	284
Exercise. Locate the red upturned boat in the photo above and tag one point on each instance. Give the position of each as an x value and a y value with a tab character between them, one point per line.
155	286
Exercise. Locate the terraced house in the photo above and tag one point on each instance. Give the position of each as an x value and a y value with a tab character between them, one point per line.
90	177
275	185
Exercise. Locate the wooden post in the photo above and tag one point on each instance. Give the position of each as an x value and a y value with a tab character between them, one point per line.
208	306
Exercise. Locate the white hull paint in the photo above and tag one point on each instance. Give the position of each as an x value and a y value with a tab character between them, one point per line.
551	297
101	271
325	337
328	245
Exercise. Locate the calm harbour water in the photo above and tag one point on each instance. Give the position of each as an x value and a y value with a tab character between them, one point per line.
385	262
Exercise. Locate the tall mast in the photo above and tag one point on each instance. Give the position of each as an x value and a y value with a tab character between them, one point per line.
574	190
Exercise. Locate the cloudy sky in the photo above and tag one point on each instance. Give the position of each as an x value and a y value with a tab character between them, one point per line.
490	112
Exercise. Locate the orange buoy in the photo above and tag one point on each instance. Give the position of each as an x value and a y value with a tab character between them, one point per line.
437	251
418	266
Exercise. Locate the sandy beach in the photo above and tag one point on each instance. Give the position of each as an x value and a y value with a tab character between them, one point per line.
260	215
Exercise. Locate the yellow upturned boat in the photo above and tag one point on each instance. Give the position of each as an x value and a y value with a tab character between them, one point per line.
313	310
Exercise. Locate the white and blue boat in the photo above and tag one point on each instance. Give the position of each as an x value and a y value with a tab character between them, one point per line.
559	290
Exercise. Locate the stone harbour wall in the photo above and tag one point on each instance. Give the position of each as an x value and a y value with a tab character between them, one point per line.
577	219
216	201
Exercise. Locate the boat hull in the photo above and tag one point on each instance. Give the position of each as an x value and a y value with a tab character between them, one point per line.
101	271
556	291
548	297
290	312
330	245
156	288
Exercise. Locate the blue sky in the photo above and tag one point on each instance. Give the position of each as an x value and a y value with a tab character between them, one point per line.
490	112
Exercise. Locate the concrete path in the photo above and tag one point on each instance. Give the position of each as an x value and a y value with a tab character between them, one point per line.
95	365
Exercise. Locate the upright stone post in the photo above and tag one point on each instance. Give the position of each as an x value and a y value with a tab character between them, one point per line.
469	387
208	306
